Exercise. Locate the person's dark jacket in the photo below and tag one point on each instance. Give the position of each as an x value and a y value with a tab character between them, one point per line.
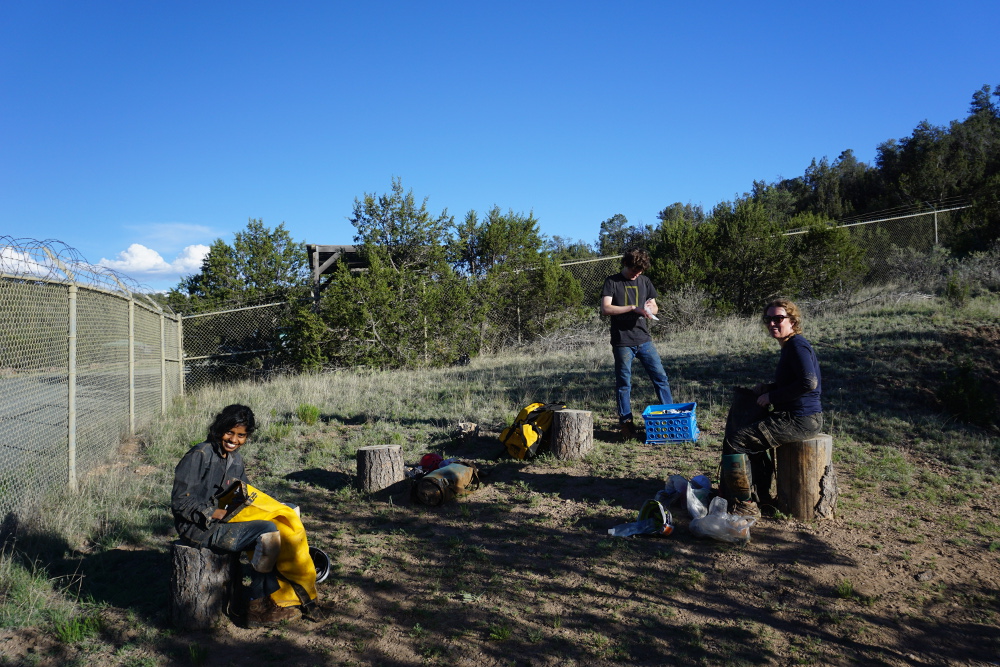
200	477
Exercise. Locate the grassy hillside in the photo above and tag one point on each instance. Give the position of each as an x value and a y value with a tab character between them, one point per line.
522	572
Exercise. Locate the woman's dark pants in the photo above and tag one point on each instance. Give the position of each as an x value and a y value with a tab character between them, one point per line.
238	537
759	438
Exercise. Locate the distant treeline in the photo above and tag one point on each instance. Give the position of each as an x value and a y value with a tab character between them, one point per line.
934	163
436	289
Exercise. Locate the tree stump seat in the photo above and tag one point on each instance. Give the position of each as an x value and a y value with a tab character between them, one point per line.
379	467
806	480
201	585
572	435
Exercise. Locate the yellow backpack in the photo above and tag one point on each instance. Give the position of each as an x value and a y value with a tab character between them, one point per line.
526	436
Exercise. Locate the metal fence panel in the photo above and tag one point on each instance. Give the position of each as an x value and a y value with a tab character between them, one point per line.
70	354
591	273
148	352
241	342
173	358
102	382
33	388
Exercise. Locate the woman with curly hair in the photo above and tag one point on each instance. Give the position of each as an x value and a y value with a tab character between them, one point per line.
796	414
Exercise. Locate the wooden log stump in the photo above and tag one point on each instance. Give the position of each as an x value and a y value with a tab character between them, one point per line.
572	434
201	584
806	480
379	467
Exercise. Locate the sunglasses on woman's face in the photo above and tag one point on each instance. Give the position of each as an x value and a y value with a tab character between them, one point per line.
775	319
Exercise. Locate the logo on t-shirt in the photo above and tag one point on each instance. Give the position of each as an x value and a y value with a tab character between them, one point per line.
631	295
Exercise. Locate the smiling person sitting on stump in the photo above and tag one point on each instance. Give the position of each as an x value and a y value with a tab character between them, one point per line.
205	473
797	414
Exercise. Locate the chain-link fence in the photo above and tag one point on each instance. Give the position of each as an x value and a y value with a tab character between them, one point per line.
591	273
891	237
234	344
85	359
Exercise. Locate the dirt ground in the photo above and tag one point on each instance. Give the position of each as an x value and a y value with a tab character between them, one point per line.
523	572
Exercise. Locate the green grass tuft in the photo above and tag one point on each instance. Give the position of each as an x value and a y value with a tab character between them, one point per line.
76	629
308	414
845	589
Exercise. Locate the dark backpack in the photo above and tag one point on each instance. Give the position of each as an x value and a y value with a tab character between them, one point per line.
528	434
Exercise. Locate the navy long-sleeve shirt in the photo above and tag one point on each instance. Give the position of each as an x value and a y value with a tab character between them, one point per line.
797	382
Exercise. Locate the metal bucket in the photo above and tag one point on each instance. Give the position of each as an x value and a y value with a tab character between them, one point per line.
322	563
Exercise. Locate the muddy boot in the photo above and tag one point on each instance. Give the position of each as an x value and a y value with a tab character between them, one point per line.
736	484
744	508
263	612
736	478
628	432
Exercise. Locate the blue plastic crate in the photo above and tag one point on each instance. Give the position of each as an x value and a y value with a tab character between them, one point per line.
679	426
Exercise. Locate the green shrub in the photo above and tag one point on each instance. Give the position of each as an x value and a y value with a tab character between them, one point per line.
307	413
829	260
278	431
957	290
920	270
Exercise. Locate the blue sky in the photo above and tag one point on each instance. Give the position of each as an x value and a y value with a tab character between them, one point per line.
139	132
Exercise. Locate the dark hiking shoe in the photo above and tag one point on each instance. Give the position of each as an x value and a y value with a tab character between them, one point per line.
628	432
263	612
744	508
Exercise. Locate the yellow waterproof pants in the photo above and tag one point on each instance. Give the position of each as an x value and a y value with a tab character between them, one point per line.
295	569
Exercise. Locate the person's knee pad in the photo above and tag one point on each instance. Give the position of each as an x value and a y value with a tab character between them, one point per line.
265	554
736	478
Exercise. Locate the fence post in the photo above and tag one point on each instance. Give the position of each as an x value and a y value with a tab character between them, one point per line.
180	351
71	391
163	364
519	325
423	299
131	364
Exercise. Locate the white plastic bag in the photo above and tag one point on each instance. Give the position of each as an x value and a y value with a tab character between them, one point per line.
716	522
673	491
702	487
677	486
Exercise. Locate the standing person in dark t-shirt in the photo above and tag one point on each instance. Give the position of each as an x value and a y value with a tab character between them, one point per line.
797	415
629	298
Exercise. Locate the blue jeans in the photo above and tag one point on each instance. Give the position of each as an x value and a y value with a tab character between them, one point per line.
650	359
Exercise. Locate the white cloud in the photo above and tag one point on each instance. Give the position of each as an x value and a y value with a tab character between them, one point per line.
140	260
137	259
18	262
190	259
